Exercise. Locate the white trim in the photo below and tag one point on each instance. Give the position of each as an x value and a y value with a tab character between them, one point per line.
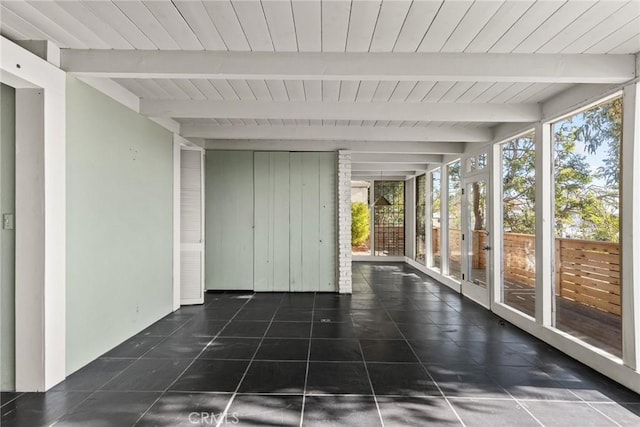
545	236
630	226
176	222
40	217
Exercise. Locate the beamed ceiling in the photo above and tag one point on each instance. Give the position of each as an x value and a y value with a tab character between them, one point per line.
374	73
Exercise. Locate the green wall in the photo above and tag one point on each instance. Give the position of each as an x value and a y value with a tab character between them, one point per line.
7	238
119	223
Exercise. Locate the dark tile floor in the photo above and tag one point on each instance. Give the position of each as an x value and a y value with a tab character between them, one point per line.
402	350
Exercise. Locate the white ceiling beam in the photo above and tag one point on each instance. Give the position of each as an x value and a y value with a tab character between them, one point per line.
434	112
395	158
405	147
338	133
388	167
377	173
484	67
373	177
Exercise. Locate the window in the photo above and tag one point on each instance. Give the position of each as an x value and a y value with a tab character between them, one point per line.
454	195
587	225
476	163
518	280
388	208
421	202
434	220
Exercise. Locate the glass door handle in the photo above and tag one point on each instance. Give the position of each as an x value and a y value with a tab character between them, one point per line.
486	248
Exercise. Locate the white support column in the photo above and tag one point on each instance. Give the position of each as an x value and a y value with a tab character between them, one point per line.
545	242
410	218
40	216
495	238
176	221
344	222
630	227
444	220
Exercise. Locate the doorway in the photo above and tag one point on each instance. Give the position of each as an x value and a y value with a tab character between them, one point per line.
475	240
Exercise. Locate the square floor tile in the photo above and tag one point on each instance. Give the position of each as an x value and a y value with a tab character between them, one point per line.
211	375
338	378
287	314
333	330
148	375
442	352
262	313
339	411
387	351
231	348
163	327
186	409
416	411
109	408
333	316
289	330
562	414
625	414
274	377
245	329
36	409
494	413
375	330
134	347
466	381
94	375
405	379
335	350
283	349
201	328
265	410
178	347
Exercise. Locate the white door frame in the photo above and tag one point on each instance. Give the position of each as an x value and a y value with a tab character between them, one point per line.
469	289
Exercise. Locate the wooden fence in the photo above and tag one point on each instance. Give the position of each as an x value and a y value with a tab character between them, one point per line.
587	272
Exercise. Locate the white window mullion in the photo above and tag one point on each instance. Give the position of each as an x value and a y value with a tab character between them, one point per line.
630	226
545	242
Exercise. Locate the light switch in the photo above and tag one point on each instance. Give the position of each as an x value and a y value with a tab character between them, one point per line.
7	221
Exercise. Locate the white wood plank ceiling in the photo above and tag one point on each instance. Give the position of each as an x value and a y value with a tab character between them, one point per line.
355	46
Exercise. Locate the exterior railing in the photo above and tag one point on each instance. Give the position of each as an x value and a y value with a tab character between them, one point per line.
586	271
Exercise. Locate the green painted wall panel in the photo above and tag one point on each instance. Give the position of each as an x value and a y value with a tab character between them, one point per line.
271	219
119	223
229	220
7	237
281	171
296	220
327	222
310	221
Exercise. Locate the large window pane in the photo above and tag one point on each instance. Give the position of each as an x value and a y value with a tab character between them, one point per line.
455	234
518	222
587	206
388	210
434	220
421	202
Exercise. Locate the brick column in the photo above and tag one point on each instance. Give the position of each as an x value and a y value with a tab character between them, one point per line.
344	222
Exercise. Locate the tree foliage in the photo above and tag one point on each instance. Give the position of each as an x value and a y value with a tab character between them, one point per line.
360	223
586	203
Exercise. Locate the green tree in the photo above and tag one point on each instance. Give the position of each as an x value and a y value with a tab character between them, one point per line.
360	225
